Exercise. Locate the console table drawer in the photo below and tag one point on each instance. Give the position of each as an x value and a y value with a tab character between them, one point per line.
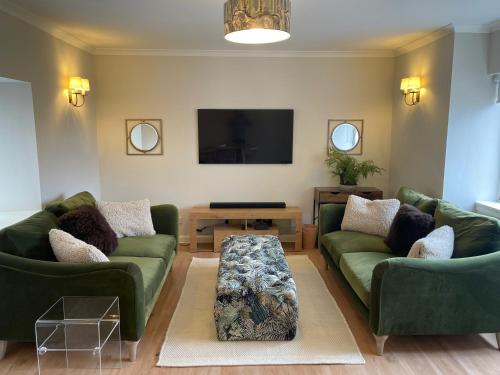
341	197
334	197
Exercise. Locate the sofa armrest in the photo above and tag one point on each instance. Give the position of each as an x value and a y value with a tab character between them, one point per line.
29	287
166	220
330	218
418	296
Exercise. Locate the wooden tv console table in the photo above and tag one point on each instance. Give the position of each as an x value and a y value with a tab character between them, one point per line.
206	213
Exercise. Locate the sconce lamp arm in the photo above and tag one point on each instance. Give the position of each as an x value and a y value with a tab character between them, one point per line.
77	99
414	98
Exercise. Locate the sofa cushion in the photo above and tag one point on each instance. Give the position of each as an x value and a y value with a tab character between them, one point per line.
157	246
409	225
30	238
357	268
371	217
423	202
342	242
475	234
87	224
70	249
152	269
60	207
128	219
437	245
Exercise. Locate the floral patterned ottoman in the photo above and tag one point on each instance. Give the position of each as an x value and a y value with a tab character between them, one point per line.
256	295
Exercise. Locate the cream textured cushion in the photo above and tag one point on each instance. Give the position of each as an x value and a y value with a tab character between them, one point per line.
128	219
371	217
69	249
437	245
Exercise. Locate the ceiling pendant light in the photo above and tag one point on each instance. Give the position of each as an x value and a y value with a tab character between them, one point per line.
257	21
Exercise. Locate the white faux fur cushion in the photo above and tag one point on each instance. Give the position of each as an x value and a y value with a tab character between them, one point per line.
128	219
72	250
437	245
371	217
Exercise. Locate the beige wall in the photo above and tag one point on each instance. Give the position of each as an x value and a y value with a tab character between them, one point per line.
18	152
66	136
173	88
418	144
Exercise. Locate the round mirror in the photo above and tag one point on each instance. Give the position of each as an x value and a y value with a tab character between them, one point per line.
345	137
144	137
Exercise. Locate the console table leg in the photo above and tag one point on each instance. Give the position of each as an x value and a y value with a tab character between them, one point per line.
193	236
298	233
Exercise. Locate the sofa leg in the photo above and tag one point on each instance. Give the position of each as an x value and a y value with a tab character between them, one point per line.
326	263
3	349
132	350
380	341
498	340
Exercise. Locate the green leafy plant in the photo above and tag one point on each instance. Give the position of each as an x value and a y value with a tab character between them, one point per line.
349	169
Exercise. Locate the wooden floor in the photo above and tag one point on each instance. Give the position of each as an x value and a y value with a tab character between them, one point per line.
422	355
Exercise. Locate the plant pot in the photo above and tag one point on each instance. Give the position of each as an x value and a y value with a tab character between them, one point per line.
349	188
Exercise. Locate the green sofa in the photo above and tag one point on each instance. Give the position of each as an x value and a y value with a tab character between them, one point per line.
31	279
404	296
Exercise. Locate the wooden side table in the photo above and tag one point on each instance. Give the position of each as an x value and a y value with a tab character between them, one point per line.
206	213
323	195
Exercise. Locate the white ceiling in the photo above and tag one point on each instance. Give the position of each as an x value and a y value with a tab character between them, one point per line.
317	25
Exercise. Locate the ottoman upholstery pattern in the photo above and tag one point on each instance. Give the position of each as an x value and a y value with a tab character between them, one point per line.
256	295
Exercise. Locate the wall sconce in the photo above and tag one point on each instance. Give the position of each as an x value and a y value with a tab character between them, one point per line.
411	90
78	88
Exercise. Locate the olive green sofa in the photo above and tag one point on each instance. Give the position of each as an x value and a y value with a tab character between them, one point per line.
405	296
31	279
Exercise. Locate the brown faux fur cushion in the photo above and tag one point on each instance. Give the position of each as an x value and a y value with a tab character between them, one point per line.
409	225
87	224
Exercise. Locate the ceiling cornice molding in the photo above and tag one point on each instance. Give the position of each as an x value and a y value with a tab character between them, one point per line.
43	24
241	53
423	41
56	31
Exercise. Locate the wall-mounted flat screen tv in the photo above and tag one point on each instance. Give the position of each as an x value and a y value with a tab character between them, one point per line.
245	136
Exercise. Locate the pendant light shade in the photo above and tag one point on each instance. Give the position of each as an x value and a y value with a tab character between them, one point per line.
257	21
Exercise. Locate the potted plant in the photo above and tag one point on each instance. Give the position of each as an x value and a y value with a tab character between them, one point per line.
349	169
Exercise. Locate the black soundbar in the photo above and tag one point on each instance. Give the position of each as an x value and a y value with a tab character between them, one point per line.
247	205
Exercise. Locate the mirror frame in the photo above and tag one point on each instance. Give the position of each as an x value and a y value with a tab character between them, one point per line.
157	125
333	124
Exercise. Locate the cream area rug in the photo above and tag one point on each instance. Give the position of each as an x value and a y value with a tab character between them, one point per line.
323	336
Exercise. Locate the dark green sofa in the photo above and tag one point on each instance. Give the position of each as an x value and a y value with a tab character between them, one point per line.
404	296
31	279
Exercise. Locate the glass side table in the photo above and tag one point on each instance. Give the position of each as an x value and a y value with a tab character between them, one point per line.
79	332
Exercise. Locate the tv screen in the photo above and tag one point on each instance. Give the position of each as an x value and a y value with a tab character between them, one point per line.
245	136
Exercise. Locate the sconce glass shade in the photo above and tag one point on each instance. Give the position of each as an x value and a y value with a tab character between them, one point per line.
75	83
85	85
257	21
410	84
